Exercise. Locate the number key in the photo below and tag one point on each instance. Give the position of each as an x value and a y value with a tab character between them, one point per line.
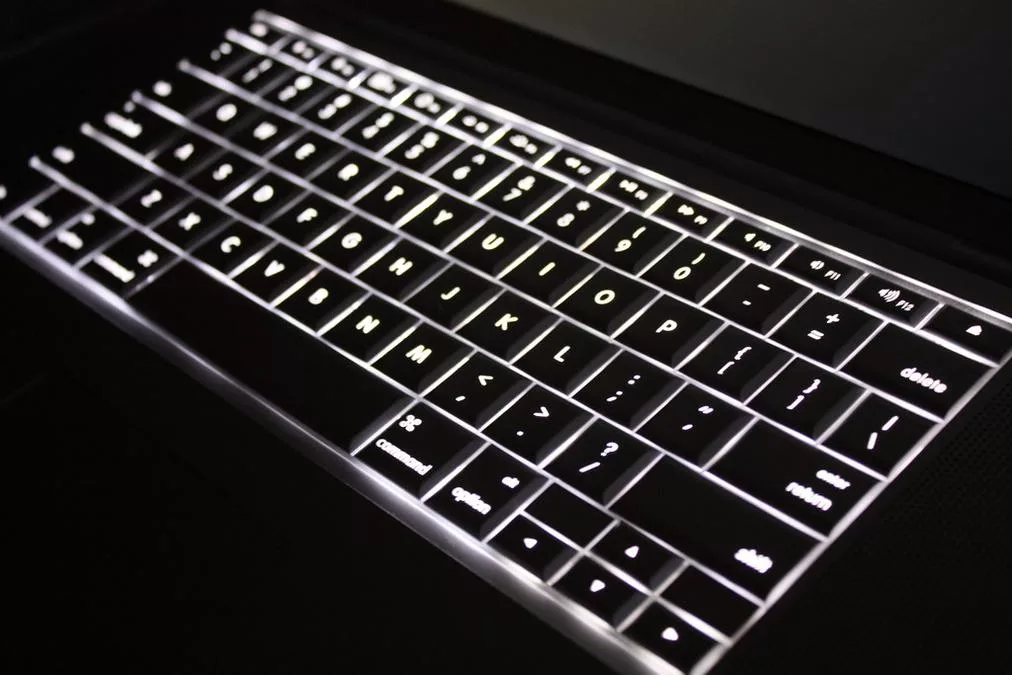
691	269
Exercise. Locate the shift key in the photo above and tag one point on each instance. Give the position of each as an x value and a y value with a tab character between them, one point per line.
714	526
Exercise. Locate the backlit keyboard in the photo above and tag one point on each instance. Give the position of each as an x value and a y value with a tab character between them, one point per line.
634	401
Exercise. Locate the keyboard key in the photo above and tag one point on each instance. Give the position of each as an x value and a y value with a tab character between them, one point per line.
302	50
418	448
264	133
669	637
194	221
442	221
530	546
878	434
574	217
627	389
223	175
341	66
601	461
564	357
393	197
307	218
735	363
259	74
599	590
153	201
309	152
750	547
891	299
970	332
427	103
477	390
918	371
507	325
689	215
473	123
800	480
548	272
694	425
229	115
231	247
275	272
631	242
98	169
26	186
400	270
569	515
349	175
523	144
384	84
805	397
421	357
46	215
137	127
334	112
535	425
222	58
295	91
630	190
713	602
606	300
485	492
753	241
692	269
186	153
471	169
668	330
637	555
352	243
449	297
128	262
521	193
88	232
183	92
264	33
494	245
757	298
264	197
819	269
302	372
377	128
423	149
575	166
369	328
825	329
321	299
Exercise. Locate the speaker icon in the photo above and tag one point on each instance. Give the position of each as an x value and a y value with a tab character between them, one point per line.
889	294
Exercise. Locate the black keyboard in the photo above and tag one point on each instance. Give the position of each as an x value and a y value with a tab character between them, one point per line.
652	408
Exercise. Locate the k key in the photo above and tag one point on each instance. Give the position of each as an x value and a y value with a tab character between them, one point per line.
507	325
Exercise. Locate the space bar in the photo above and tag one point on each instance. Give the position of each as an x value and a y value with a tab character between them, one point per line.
336	398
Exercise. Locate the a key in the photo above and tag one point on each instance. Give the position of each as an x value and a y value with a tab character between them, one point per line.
384	84
393	197
668	330
471	169
670	637
630	190
694	425
548	272
185	153
423	149
689	215
891	299
183	92
757	298
275	272
529	545
521	193
89	231
306	154
626	389
341	66
700	594
569	515
523	144
473	123
264	133
826	329
128	262
606	300
821	270
536	424
334	112
264	197
878	434
800	480
377	129
493	245
231	247
57	208
575	216
191	223
600	461
137	127
442	221
418	448
448	298
348	175
805	397
735	363
968	331
485	491
575	166
753	241
427	103
400	270
918	371
354	242
153	201
692	269
321	299
506	325
307	218
369	328
637	555
476	391
295	91
231	113
631	242
421	357
223	175
259	74
599	590
564	357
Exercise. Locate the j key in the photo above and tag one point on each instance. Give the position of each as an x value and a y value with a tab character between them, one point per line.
819	269
352	243
600	461
308	218
400	270
230	248
394	196
263	134
295	91
825	329
694	425
691	269
507	325
223	175
626	389
421	357
564	357
805	397
259	74
369	328
90	231
384	84
548	272
194	221
914	369
631	242
442	221
476	391
55	209
306	154
713	602
348	175
137	127
670	637
418	448
798	479
182	92
575	166
427	103
606	300
631	190
523	144
186	153
668	330
530	546
98	169
263	198
230	114
637	555
376	129
735	363
223	57
891	299
128	262
689	215
574	217
569	515
473	123
334	112
470	170
321	299
153	201
757	298
599	590
878	434
341	66
447	298
521	193
753	242
423	148
493	245
536	424
275	272
970	332
485	491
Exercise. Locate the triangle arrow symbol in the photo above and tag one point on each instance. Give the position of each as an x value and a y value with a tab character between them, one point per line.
530	542
483	380
542	413
274	268
632	551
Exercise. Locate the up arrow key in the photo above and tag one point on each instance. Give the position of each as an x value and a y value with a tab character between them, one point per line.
483	380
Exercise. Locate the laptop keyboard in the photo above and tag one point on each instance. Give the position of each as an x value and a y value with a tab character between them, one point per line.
654	408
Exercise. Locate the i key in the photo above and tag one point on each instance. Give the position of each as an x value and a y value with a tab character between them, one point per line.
507	325
548	272
600	460
626	389
735	363
757	298
536	424
805	398
475	391
420	357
